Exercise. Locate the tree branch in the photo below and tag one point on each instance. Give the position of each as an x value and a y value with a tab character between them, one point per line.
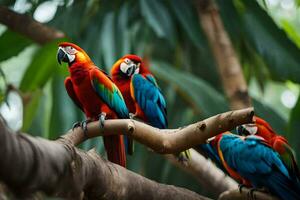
245	194
229	67
213	180
165	141
59	169
25	25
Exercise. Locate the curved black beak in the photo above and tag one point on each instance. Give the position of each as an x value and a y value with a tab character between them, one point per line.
62	56
242	130
130	71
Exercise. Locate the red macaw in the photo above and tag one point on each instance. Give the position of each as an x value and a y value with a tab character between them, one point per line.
95	94
141	92
279	143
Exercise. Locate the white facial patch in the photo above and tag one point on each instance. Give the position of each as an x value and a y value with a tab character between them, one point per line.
137	70
251	128
70	50
124	67
71	57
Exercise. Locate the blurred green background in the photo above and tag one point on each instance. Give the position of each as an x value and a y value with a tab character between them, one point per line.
265	34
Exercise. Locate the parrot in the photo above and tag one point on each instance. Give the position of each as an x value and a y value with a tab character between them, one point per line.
279	143
93	91
252	161
141	92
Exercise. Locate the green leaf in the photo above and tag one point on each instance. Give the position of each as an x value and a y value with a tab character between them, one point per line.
204	98
69	18
64	113
3	85
266	112
30	109
291	31
123	30
189	21
11	44
158	17
294	127
253	25
43	65
280	53
108	40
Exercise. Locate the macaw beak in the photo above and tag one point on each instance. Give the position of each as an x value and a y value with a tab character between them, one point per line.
246	129
242	131
131	70
62	56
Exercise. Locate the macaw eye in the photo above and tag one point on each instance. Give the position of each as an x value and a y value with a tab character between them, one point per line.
70	50
127	61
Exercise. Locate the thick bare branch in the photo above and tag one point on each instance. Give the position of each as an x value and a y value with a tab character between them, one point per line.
245	194
25	25
155	139
166	141
59	169
208	175
229	67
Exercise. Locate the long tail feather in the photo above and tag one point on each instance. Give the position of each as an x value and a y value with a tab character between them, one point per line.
129	144
115	149
284	187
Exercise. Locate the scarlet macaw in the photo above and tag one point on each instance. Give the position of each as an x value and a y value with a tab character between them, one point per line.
279	143
252	161
141	92
95	94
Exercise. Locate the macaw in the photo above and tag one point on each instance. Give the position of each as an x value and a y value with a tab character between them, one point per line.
95	94
253	162
141	92
279	143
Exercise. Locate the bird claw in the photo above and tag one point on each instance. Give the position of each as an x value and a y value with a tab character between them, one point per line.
83	124
132	116
102	117
241	186
251	195
75	125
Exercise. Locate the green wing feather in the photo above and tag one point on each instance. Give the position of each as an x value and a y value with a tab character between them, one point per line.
111	96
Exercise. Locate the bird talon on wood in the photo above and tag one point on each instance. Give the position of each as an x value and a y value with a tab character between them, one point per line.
102	118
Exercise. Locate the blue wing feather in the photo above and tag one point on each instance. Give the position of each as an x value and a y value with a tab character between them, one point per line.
148	96
260	164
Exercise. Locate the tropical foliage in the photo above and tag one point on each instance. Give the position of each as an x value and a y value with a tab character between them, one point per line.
169	33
